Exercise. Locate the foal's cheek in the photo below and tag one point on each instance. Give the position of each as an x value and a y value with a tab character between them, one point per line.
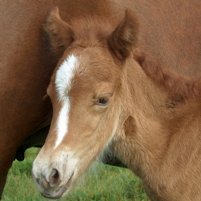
129	126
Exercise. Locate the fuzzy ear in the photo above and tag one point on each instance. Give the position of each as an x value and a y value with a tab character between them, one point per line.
124	37
60	33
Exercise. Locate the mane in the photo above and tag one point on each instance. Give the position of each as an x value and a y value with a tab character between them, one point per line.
180	88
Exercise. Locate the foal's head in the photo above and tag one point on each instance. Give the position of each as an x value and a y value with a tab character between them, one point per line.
85	94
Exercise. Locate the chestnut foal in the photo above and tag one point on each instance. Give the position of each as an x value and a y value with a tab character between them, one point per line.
102	97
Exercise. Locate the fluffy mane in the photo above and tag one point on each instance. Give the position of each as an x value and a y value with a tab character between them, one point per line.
180	88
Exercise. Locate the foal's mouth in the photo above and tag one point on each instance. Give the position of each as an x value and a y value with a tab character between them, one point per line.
60	191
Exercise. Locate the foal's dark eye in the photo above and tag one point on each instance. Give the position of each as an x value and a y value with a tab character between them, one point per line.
102	101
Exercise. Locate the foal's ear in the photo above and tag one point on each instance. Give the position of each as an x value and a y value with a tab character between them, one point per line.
60	33
124	37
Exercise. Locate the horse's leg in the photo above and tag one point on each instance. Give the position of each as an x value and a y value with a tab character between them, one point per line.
2	181
6	159
4	171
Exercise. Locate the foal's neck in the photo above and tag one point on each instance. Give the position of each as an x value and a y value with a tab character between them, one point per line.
150	132
143	138
144	95
148	124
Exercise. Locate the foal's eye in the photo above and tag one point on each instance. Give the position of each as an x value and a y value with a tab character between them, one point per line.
102	101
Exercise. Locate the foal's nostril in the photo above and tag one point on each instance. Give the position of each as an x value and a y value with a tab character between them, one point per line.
54	178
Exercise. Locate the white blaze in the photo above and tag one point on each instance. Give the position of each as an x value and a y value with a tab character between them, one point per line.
63	80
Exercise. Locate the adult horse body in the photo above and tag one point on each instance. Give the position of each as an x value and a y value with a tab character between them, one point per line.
25	68
150	118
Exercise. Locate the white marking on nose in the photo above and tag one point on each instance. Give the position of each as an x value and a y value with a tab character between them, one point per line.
62	122
63	80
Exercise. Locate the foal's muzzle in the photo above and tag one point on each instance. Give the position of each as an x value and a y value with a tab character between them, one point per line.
51	187
54	173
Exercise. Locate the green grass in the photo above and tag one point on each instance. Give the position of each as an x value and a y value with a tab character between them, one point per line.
101	183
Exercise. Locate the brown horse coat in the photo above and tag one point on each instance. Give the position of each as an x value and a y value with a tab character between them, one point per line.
140	108
169	32
25	68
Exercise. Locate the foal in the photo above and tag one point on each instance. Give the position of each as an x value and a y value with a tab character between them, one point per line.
102	97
